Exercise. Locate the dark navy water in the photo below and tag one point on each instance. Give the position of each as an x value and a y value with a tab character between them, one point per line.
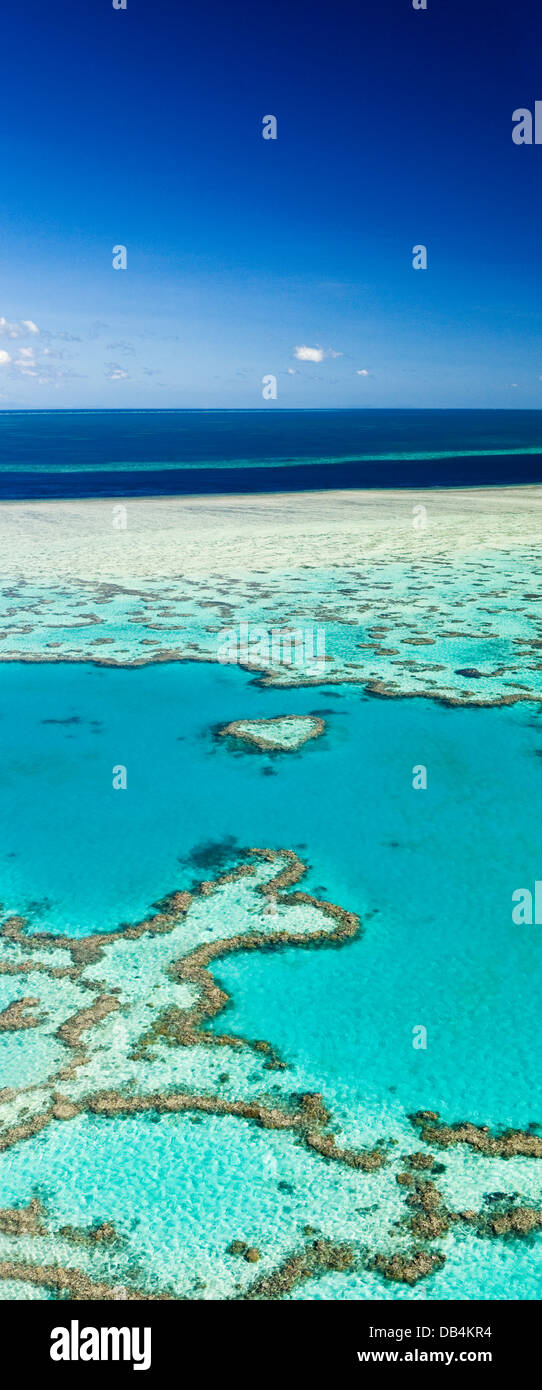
162	452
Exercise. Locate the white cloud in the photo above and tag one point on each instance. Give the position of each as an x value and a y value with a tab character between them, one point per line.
308	354
363	372
25	362
115	373
29	361
17	330
315	354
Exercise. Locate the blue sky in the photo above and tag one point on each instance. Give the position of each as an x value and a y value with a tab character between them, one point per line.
144	128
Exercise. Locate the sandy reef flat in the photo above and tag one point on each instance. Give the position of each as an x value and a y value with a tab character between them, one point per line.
433	593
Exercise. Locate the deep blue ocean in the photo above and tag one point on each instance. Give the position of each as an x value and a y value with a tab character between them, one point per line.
100	453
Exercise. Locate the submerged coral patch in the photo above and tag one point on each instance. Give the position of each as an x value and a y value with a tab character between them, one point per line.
508	1144
282	734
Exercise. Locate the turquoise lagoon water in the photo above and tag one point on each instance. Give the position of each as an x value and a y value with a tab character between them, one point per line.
431	873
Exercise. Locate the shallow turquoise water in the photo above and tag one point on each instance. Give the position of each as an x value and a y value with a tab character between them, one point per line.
178	1190
431	872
